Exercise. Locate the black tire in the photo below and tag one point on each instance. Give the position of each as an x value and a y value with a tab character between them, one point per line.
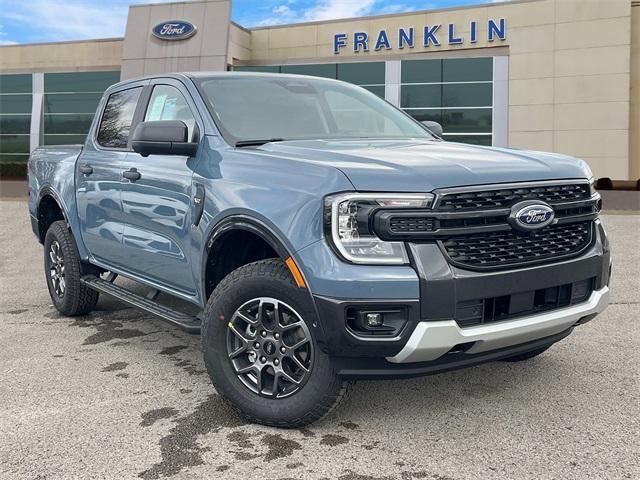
525	356
73	298
322	389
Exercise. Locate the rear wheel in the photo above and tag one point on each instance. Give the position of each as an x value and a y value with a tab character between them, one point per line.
62	268
261	351
525	356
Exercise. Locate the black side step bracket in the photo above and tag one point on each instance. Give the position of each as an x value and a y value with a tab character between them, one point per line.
185	322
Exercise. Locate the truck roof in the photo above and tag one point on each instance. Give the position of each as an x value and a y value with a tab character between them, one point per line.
185	75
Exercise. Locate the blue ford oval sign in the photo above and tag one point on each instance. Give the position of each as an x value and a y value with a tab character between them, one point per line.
174	30
531	215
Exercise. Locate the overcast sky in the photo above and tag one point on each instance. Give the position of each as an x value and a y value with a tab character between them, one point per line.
30	21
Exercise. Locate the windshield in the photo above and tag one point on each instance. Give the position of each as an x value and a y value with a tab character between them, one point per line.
254	107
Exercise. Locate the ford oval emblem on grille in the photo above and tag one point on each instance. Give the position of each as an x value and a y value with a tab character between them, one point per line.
174	30
531	215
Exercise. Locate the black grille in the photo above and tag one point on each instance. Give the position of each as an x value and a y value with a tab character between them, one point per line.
495	249
494	309
504	198
411	224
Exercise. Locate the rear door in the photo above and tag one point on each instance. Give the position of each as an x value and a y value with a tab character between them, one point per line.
99	174
158	207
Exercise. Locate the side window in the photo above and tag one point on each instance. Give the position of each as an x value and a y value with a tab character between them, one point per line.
117	117
167	103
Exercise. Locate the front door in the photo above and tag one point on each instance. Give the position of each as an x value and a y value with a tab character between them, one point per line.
98	179
157	199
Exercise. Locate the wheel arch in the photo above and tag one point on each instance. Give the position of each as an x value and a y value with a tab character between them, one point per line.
49	209
243	226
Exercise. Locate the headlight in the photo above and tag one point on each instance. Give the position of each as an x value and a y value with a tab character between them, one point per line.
347	221
592	186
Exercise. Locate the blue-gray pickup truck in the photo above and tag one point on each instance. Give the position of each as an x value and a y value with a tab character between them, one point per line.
316	234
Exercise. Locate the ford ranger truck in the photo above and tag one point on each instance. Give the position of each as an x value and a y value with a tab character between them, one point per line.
315	234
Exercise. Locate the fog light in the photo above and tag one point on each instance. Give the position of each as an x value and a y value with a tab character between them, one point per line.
374	319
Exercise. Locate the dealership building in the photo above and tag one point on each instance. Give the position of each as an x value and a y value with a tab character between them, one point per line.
551	75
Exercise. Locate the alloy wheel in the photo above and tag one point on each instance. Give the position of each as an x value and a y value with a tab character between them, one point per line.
270	348
56	269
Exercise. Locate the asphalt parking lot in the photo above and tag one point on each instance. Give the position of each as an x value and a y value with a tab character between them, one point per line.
119	394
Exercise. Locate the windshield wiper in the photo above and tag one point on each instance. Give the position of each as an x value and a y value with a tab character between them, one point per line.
256	143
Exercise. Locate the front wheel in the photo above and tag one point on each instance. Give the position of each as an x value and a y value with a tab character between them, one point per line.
62	269
260	348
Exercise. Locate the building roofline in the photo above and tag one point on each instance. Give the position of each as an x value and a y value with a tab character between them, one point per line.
236	24
152	4
65	42
398	14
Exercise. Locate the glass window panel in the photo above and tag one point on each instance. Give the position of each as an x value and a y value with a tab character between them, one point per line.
15	103
467	95
423	115
14	158
80	81
69	124
258	68
364	73
71	102
14	143
64	139
471	139
15	123
421	71
322	70
15	83
467	121
421	96
353	117
117	117
167	103
467	69
379	91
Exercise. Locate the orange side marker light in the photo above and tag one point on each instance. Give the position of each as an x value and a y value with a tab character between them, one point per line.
295	271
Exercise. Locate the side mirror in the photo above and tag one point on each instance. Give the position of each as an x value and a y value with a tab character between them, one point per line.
434	127
163	137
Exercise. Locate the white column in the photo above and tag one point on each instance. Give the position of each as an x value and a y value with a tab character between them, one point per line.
501	101
392	79
37	82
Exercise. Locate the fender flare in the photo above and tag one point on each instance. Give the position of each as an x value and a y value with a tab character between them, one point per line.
248	224
49	191
261	229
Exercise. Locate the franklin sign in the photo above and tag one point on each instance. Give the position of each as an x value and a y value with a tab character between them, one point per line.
426	37
174	30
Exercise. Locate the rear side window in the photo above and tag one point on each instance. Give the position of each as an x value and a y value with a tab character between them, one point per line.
117	117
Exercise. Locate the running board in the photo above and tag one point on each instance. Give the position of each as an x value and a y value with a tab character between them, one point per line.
185	322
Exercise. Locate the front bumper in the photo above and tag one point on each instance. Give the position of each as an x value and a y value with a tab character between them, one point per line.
431	340
435	336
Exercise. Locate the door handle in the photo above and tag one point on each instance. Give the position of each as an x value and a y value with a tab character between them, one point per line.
86	169
132	174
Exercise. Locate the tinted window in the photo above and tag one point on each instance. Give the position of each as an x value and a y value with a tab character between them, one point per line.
80	81
167	103
319	70
117	118
366	73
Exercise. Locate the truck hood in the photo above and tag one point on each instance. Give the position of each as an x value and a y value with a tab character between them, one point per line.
423	165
